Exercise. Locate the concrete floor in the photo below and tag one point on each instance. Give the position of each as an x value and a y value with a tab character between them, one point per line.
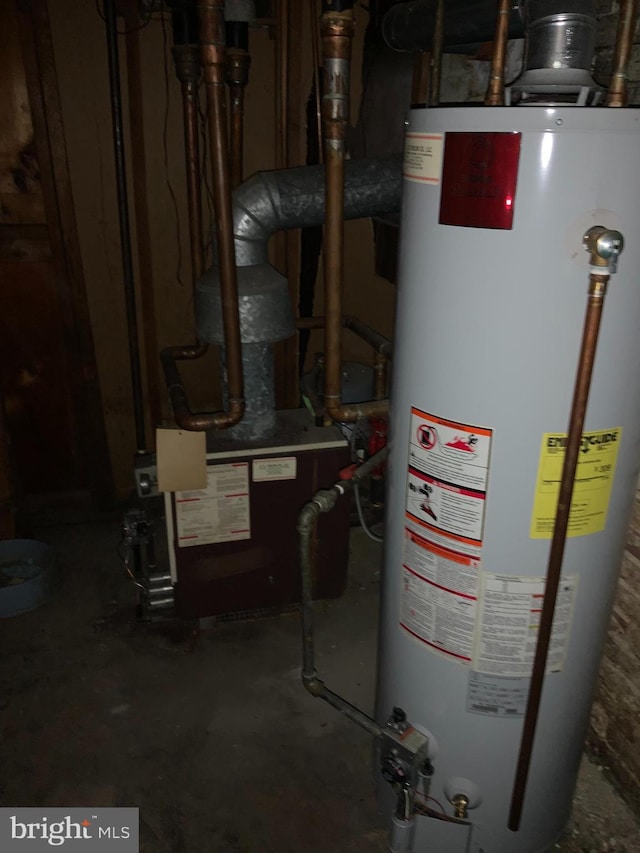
211	735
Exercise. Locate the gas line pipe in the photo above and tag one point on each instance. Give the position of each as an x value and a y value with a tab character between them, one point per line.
323	501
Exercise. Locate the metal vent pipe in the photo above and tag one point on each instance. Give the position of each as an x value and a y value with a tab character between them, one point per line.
269	202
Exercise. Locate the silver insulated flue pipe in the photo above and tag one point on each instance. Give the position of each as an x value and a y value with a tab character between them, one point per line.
560	41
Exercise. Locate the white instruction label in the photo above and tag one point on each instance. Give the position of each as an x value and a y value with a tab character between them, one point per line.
507	633
445	500
439	596
219	513
277	468
423	157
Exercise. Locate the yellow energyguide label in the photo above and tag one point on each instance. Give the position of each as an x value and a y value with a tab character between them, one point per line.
592	486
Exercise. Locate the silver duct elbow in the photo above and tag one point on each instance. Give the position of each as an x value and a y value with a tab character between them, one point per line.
294	198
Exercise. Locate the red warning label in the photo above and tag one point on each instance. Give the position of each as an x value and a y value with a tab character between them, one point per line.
479	178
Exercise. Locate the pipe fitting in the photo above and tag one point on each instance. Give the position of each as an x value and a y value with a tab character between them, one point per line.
186	58
313	685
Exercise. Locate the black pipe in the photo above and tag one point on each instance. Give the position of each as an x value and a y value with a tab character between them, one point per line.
123	219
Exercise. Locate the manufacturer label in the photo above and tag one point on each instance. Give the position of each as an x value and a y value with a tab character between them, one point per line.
446	492
278	468
507	632
219	513
592	486
479	179
497	696
423	157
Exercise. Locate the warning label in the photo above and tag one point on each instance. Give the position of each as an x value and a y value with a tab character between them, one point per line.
592	488
507	632
440	589
423	157
447	477
445	499
219	513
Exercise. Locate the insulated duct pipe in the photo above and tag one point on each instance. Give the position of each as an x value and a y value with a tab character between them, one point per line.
263	205
269	202
411	26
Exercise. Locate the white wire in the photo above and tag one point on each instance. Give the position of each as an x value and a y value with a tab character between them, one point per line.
361	518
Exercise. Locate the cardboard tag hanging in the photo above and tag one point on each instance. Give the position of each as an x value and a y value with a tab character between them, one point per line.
181	460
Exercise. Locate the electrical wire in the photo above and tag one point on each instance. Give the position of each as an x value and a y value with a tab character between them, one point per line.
369	532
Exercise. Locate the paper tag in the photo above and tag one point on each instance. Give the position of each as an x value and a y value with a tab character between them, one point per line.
181	459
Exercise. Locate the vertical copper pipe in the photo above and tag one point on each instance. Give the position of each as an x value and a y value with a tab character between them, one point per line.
617	94
436	55
495	90
187	62
420	80
238	63
595	304
337	30
212	38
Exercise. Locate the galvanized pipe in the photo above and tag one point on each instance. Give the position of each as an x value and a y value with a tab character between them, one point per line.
495	90
212	39
595	304
125	227
323	501
617	94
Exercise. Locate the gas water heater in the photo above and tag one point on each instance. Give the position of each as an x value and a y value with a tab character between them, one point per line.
493	278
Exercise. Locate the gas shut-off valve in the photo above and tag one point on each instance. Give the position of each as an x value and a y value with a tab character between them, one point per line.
404	761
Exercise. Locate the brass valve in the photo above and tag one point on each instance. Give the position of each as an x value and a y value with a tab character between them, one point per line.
604	246
461	805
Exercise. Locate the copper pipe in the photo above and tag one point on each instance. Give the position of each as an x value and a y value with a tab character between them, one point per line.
183	416
595	304
495	90
187	62
375	340
337	34
238	64
617	94
436	55
420	79
212	39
